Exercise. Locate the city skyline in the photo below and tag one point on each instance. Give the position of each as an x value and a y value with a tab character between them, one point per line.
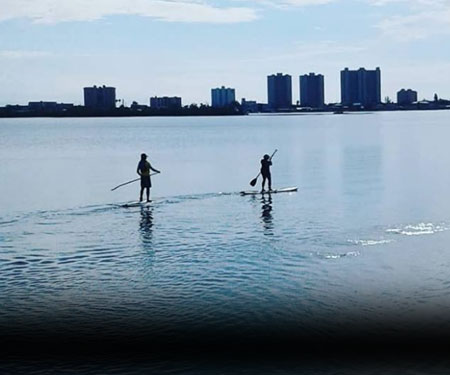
359	88
48	49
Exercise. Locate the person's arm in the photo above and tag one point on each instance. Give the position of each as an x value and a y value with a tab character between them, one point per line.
154	170
138	170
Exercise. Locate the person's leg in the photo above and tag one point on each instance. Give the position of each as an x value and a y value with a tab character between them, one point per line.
140	195
269	179
148	194
263	183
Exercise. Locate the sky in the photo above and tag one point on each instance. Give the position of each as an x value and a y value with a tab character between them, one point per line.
51	49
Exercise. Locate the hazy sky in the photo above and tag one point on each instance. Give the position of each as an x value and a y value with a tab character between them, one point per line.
51	49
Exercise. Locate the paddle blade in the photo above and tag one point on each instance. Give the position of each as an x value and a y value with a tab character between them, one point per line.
253	182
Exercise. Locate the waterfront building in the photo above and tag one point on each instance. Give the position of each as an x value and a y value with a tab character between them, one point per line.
14	109
165	102
405	97
362	87
279	91
249	106
42	106
101	97
135	106
222	97
312	90
49	106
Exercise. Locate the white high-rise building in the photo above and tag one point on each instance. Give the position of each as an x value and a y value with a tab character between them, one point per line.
222	97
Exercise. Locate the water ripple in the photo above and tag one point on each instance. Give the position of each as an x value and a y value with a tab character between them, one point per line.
419	229
211	259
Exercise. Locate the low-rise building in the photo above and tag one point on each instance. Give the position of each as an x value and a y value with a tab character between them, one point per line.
249	106
405	97
49	106
165	102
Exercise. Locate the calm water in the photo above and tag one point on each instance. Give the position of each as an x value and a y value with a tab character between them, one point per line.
365	239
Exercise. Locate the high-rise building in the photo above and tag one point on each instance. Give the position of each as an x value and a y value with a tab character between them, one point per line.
222	97
312	92
361	87
279	91
406	96
165	102
101	97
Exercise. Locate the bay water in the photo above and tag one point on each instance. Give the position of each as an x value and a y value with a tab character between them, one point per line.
364	241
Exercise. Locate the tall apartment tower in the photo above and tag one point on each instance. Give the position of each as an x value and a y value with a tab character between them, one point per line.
312	90
279	91
361	86
222	97
100	97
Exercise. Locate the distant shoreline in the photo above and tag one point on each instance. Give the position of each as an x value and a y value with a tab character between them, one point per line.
214	113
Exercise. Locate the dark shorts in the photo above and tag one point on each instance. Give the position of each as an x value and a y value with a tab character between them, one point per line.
146	182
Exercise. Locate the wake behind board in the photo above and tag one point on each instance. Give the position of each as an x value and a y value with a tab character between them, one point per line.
136	204
276	191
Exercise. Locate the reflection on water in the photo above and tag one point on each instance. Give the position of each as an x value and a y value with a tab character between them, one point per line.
266	214
146	225
363	242
138	364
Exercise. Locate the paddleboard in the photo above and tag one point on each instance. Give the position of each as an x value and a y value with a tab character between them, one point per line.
136	204
276	191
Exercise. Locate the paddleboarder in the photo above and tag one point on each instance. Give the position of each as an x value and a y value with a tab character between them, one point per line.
266	163
143	170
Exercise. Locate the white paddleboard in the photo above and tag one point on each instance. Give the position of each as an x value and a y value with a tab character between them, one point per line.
276	191
136	204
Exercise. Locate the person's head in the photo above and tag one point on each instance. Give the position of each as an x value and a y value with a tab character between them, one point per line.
266	157
143	156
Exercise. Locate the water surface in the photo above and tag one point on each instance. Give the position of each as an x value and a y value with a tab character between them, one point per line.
363	243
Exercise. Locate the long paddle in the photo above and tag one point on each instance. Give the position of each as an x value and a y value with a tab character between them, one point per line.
130	182
253	182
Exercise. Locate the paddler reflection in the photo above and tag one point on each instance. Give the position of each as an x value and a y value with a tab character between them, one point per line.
266	214
146	225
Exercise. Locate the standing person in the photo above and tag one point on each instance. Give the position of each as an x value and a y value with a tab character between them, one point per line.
266	163
143	170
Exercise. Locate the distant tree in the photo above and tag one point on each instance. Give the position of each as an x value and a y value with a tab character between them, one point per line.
436	98
236	106
387	100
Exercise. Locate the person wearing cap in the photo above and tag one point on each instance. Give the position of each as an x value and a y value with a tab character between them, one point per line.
143	170
266	163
